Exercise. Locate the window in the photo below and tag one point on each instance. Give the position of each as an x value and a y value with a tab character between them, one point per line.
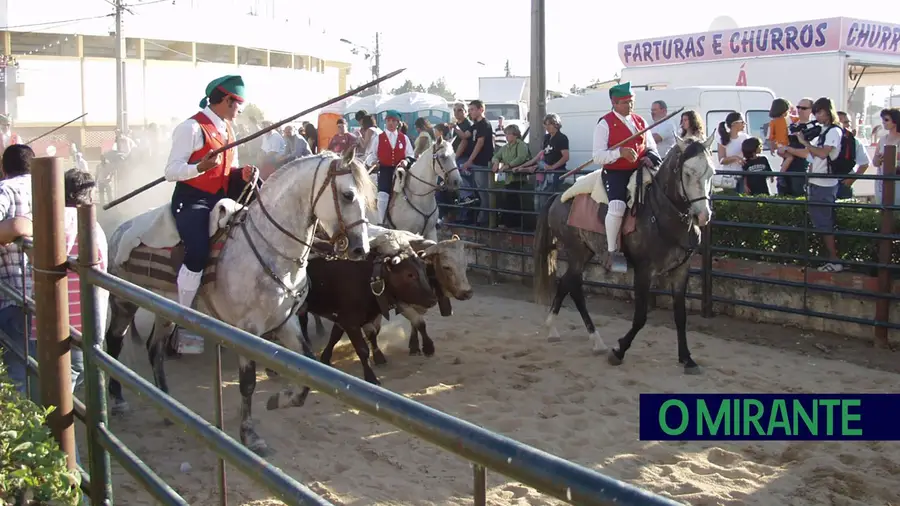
758	124
713	118
493	111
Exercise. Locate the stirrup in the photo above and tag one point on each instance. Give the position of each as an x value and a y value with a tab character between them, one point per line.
617	262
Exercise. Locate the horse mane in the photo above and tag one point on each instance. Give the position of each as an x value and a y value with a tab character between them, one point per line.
361	179
423	142
675	157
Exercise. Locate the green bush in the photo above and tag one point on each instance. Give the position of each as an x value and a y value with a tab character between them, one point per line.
858	249
31	463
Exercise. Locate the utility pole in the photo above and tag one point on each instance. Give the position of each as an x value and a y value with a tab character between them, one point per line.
121	114
538	97
376	70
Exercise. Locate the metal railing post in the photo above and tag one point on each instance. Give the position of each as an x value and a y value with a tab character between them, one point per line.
883	305
52	301
480	485
707	272
91	335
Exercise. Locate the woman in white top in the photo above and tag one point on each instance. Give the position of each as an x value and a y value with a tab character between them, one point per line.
890	119
731	136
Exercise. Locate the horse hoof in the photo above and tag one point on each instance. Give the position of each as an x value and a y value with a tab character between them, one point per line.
272	403
429	352
612	358
259	447
415	353
119	407
693	370
379	358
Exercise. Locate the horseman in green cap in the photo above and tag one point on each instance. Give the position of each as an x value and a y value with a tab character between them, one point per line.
620	163
391	150
201	179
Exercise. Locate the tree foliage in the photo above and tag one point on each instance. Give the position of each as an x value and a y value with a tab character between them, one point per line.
440	89
408	87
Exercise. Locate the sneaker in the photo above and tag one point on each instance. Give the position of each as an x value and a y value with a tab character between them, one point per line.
831	267
617	262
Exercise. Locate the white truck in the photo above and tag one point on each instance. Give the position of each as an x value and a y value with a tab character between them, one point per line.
580	114
507	97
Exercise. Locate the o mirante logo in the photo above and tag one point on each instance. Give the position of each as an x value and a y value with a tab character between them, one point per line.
719	417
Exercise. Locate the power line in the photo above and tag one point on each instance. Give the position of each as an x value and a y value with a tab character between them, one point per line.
58	22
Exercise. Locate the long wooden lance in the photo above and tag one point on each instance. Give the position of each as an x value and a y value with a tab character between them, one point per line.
620	144
67	123
264	131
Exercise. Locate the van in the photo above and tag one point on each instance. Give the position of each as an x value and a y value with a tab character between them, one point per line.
580	114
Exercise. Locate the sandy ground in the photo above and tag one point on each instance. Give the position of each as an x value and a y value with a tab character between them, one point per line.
495	367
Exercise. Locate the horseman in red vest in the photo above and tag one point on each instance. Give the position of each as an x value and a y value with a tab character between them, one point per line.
201	179
620	163
391	149
7	138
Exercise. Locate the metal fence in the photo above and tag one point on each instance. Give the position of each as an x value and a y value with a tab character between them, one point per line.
549	474
881	261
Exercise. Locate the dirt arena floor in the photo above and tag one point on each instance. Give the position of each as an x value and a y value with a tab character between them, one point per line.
495	367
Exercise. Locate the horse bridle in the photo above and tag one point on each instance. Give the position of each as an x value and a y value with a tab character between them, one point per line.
434	165
340	243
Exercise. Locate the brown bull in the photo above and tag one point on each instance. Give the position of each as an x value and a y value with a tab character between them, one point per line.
354	293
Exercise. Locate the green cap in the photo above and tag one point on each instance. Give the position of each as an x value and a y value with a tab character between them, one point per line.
392	113
232	85
622	90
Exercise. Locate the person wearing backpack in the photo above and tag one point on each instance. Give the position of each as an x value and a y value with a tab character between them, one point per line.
860	155
825	156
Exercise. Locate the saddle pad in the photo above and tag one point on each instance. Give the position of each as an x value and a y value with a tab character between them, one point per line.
592	184
158	267
156	228
587	214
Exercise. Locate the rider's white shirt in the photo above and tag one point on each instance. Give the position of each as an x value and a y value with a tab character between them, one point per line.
187	138
602	154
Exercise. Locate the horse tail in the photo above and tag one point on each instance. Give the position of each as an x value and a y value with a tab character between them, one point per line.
544	255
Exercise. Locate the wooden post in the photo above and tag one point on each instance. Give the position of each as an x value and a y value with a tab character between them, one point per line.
52	300
883	306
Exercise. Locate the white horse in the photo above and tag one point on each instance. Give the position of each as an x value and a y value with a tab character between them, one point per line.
260	279
413	206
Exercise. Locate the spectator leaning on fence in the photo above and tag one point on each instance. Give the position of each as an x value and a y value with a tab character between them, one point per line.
511	155
890	120
15	201
822	192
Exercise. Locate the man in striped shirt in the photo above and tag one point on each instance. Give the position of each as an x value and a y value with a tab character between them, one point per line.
15	201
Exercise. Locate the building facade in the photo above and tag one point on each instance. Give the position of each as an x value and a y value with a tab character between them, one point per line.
61	62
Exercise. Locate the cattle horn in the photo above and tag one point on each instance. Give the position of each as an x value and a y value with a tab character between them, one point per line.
473	245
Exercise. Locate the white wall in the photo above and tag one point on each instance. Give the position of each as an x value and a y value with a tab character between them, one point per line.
165	21
159	91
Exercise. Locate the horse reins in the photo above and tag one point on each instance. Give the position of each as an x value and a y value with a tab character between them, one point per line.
434	188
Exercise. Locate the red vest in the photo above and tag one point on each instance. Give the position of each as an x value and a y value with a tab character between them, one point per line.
618	132
391	157
216	178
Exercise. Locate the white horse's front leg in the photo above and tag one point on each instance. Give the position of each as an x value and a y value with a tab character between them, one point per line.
289	336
